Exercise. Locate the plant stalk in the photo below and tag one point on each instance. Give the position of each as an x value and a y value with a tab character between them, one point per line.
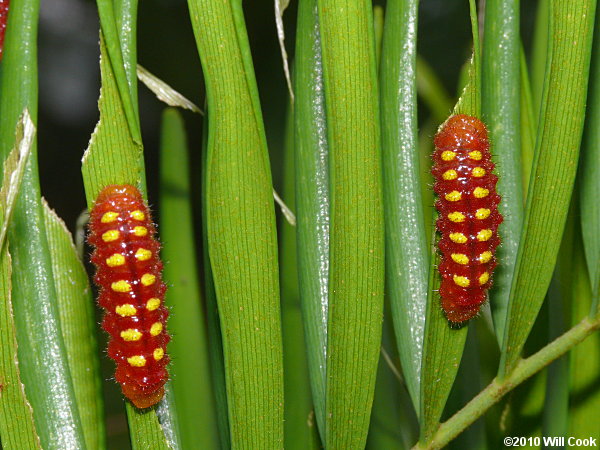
497	389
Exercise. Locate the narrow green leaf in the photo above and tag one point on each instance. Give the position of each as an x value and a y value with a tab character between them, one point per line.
407	261
468	384
442	352
17	428
470	99
528	125
215	340
77	321
561	295
556	398
584	399
443	345
590	177
378	23
113	157
356	219
41	352
561	125
300	427
14	169
126	22
191	383
121	51
312	199
16	416
540	55
426	147
145	430
242	243
502	115
393	422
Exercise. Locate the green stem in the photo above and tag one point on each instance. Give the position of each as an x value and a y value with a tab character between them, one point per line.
497	389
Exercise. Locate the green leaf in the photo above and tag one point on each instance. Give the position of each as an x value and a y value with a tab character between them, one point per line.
468	384
300	427
501	114
121	51
356	271
540	55
312	199
242	243
41	352
393	421
584	395
192	389
215	349
528	125
114	156
407	261
77	321
590	177
14	169
554	171
17	428
443	345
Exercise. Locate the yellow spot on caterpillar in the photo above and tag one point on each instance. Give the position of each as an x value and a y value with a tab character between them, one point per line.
140	231
480	192
459	238
485	257
136	361
484	235
131	335
456	217
448	155
152	304
482	213
156	328
158	354
460	258
109	217
484	278
137	215
126	310
148	279
450	175
478	172
461	281
121	286
115	260
143	254
475	155
453	196
110	235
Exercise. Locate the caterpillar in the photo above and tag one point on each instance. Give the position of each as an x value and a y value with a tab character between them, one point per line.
128	275
468	215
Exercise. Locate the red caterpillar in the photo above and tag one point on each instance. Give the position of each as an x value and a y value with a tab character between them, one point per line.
3	20
131	291
468	215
